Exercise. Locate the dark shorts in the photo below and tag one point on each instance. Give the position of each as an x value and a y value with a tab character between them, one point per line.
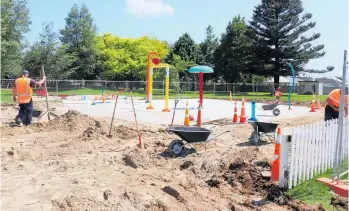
330	113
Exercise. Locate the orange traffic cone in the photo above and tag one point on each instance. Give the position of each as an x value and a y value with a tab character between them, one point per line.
312	109
230	96
318	103
235	117
187	118
243	119
275	168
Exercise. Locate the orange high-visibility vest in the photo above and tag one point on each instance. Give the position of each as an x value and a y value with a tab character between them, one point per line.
335	97
23	89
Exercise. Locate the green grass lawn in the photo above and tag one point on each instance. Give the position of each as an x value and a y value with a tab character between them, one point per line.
314	193
6	95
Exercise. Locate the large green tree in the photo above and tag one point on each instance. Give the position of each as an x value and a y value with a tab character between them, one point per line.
14	24
79	37
184	51
126	58
51	54
232	57
279	33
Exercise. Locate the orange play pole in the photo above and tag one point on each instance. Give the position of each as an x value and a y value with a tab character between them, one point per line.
149	71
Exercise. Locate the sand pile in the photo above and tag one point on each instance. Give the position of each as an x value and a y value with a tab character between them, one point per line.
72	121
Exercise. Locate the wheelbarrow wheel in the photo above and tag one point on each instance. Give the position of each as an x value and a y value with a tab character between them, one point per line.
276	112
254	138
176	147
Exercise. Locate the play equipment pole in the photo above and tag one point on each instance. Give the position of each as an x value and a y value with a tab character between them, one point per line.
150	89
167	86
201	81
292	87
201	87
149	74
253	116
167	89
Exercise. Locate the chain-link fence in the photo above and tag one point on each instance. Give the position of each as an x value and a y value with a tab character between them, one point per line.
177	89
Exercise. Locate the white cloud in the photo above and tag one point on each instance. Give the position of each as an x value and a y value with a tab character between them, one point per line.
144	8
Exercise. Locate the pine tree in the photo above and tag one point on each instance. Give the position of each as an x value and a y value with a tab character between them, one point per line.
277	31
231	58
209	46
79	37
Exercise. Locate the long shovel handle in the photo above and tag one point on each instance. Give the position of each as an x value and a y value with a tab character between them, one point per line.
227	131
174	111
112	119
46	96
135	115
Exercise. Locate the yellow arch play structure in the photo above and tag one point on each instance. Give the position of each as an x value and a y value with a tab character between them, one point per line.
167	85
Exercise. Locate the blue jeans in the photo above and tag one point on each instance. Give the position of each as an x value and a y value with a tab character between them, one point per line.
26	112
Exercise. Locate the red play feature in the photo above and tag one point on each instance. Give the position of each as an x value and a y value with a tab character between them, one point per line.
156	61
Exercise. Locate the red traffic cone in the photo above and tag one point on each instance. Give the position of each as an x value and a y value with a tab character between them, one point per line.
312	109
243	119
275	168
235	117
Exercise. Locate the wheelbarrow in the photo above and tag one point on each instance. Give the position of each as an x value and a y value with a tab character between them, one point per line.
272	107
36	114
262	129
189	135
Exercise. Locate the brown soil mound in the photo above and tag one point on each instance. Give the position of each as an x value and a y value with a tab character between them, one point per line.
72	121
245	177
340	202
137	158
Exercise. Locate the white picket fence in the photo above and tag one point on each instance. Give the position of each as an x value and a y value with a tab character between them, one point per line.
310	152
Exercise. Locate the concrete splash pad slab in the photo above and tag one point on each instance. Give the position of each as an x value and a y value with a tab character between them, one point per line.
212	110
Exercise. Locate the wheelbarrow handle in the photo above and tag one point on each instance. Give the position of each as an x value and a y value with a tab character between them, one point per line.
227	131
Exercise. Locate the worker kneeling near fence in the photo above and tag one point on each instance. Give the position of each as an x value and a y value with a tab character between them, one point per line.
333	104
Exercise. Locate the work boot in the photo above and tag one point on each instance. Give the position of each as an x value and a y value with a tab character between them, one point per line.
18	120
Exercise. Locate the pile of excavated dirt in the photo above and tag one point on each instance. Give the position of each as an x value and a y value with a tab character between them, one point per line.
339	202
71	121
246	178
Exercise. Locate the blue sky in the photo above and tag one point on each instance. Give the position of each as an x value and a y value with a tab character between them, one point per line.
169	19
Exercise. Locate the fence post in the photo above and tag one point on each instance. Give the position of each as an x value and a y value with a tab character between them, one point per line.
127	86
284	167
214	88
57	88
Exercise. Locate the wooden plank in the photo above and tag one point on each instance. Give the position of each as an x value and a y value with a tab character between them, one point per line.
306	150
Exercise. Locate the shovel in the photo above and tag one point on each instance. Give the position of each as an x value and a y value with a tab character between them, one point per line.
174	112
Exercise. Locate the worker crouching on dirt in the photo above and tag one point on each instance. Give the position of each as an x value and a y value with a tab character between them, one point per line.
333	104
23	89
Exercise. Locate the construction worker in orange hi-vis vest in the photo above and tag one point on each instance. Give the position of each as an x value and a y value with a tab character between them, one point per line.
333	104
22	91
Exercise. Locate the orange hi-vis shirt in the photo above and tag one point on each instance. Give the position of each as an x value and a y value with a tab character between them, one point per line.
335	97
23	90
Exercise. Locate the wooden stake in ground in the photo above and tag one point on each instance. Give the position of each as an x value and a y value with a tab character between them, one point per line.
134	112
112	119
47	105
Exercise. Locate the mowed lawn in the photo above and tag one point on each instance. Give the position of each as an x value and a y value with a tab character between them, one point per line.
6	94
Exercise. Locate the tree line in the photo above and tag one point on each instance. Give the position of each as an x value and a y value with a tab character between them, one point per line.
247	51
